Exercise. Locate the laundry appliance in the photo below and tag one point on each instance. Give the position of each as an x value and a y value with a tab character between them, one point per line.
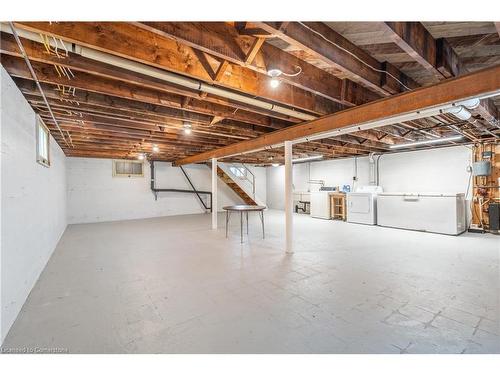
362	205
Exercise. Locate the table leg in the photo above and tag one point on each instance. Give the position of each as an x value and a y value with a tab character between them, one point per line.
262	220
241	227
247	221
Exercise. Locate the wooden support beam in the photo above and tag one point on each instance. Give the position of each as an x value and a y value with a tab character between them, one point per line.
319	40
254	49
214	34
141	45
221	70
416	41
87	82
435	55
482	82
216	119
447	61
36	52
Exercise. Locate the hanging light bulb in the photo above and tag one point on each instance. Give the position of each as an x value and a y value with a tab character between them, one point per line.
156	148
187	129
275	164
140	156
274	74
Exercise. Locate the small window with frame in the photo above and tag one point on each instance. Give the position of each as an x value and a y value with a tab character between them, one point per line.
128	168
42	143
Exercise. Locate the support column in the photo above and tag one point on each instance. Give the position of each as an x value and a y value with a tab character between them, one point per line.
214	193
288	198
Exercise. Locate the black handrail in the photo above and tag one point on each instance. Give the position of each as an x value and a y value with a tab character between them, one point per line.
156	190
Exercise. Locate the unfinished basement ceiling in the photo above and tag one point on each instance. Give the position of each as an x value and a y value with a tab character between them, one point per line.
120	112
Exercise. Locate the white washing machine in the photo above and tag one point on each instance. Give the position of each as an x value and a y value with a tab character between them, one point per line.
362	205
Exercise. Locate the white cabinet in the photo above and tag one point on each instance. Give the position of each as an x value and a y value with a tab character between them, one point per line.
320	205
429	212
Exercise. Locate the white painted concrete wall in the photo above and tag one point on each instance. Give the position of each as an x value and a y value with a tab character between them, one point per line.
94	195
33	202
438	170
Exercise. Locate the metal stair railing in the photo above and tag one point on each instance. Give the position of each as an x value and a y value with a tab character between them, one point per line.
245	175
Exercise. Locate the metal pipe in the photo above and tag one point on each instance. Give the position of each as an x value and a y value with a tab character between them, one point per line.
194	191
33	74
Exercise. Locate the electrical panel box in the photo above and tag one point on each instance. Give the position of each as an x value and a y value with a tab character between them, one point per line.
481	168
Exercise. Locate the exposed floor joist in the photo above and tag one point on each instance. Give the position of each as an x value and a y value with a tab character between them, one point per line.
483	82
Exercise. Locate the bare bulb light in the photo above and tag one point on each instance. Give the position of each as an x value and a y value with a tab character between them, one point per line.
275	164
140	157
274	74
187	129
156	148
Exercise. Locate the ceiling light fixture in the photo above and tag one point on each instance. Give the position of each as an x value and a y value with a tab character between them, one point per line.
308	158
427	142
187	129
156	148
274	73
140	156
275	164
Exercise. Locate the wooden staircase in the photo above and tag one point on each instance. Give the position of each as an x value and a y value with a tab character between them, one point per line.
234	186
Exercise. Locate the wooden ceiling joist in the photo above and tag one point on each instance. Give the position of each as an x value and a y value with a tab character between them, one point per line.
77	63
210	37
114	109
87	82
435	55
332	48
482	82
137	44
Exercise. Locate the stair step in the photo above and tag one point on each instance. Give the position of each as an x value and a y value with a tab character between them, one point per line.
234	186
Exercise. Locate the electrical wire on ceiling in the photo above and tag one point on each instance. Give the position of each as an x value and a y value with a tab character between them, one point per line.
33	74
353	55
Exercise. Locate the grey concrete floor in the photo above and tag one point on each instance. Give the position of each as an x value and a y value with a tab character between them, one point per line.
172	285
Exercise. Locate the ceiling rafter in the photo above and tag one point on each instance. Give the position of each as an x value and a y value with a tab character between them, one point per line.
474	84
268	56
435	55
129	41
329	46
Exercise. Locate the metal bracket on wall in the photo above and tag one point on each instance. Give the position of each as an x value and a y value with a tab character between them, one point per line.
198	193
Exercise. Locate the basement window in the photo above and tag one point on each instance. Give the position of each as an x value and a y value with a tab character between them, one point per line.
240	172
128	168
42	143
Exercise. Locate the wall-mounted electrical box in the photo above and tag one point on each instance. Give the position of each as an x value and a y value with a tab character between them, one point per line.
481	168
